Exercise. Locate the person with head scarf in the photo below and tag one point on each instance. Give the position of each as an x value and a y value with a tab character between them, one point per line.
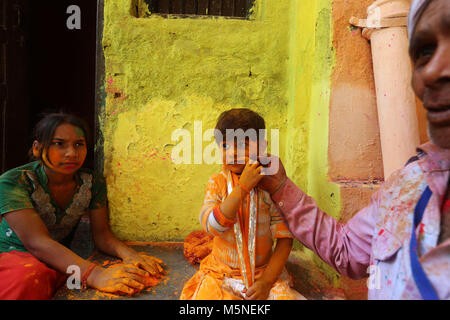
401	240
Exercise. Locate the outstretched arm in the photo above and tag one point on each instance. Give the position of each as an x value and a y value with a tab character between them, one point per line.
33	233
345	247
105	241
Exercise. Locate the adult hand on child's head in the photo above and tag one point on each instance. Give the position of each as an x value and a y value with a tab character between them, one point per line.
122	279
146	263
251	175
274	175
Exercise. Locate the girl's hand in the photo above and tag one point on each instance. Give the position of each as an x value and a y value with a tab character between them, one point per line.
251	175
146	263
122	279
258	291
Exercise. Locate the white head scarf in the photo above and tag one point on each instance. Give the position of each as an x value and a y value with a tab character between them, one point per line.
416	11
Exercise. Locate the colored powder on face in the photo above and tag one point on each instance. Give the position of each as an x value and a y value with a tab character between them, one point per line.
46	160
79	132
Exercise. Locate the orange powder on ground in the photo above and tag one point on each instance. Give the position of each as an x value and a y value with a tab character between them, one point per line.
149	281
197	245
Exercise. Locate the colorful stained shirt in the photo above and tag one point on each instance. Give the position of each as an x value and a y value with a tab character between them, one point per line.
26	187
269	224
375	242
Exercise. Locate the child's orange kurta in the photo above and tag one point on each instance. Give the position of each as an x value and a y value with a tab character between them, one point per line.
220	276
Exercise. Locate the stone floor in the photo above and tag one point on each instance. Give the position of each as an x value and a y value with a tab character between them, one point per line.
178	270
308	279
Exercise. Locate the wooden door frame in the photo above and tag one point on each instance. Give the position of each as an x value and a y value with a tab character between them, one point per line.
99	91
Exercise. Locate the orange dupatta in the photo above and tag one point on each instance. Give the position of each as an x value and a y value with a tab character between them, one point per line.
245	231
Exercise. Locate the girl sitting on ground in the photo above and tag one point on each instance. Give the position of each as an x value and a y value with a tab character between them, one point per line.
41	204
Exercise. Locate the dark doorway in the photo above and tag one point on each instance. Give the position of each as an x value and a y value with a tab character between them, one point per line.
48	68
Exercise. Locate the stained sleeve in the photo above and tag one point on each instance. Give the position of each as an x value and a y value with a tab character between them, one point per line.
14	194
346	247
211	217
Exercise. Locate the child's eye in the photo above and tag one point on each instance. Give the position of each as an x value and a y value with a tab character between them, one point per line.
56	143
79	144
225	146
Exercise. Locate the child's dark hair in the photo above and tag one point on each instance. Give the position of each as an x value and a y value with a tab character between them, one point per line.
45	130
239	118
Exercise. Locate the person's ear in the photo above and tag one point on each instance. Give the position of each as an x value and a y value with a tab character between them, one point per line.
36	147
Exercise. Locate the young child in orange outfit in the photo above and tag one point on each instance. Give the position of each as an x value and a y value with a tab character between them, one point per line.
244	223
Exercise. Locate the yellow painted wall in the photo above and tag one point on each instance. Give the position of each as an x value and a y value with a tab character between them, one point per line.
314	56
164	74
316	33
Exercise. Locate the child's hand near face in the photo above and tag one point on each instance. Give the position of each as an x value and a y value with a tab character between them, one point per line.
251	175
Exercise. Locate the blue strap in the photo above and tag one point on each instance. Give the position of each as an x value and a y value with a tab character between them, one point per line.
420	278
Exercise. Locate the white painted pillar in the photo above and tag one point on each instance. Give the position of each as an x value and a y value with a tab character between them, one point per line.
385	27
